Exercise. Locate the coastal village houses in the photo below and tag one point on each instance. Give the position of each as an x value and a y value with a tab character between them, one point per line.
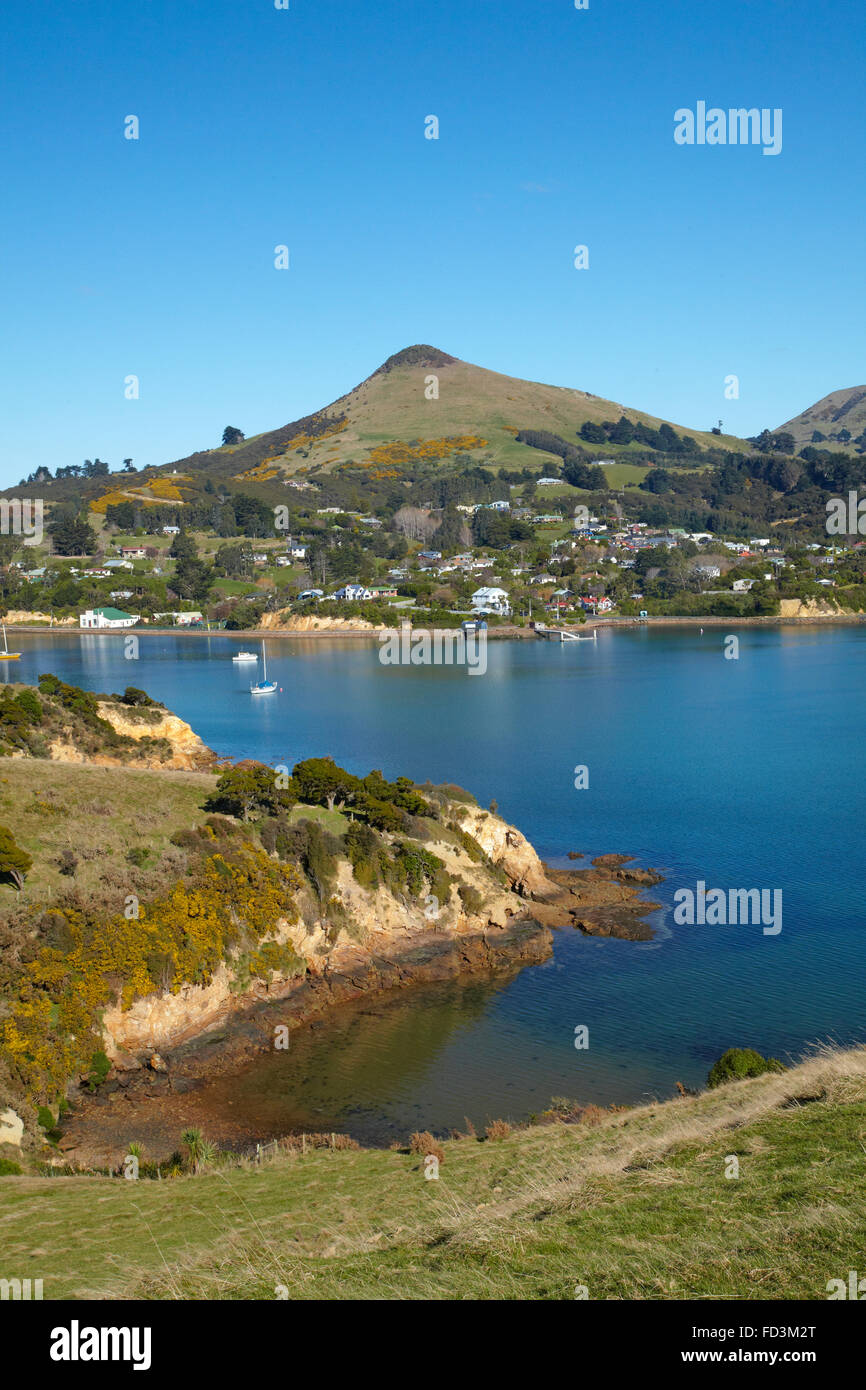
107	618
491	600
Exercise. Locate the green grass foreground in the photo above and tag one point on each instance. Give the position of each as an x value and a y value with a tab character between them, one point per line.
635	1207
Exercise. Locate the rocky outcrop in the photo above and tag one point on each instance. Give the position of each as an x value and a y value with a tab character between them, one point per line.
166	1020
368	936
11	1128
368	939
286	621
807	608
508	849
188	750
21	615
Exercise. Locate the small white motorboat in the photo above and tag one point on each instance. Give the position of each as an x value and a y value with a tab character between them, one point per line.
245	656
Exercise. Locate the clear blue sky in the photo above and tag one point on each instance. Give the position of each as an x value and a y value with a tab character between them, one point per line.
306	127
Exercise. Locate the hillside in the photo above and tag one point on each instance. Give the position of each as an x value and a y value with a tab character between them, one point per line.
65	724
142	905
383	425
634	1205
479	410
840	420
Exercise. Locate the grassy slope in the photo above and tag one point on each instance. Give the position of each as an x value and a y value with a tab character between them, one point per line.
101	813
98	812
845	409
472	400
638	1207
391	406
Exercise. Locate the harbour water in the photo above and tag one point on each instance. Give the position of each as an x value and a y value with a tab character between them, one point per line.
744	773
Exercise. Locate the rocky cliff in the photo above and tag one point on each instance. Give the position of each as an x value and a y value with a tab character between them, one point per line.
368	939
186	749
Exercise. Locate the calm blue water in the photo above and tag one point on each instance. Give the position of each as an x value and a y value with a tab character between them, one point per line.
746	773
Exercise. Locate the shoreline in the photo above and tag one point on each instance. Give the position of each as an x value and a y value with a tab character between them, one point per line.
154	1103
504	633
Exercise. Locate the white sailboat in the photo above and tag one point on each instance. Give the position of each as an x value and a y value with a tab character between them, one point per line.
6	655
263	687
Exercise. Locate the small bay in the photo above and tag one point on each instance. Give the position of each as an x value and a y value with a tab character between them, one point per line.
743	773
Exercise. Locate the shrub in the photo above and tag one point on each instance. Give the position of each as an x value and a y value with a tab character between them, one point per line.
740	1062
67	863
100	1066
415	868
364	849
8	1169
305	843
423	1143
455	793
383	814
15	863
499	1129
470	897
199	1151
27	701
133	696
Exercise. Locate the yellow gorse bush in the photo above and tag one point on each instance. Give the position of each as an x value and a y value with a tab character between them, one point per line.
398	452
53	1026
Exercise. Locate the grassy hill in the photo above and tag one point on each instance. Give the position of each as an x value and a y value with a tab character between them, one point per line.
841	410
635	1206
382	423
391	407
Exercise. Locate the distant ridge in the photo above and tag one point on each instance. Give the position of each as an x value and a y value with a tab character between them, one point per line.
839	413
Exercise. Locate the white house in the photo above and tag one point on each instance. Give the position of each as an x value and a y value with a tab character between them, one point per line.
742	586
491	600
708	571
107	617
353	592
171	530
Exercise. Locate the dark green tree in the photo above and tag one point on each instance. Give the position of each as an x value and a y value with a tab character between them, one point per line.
71	535
321	782
252	789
